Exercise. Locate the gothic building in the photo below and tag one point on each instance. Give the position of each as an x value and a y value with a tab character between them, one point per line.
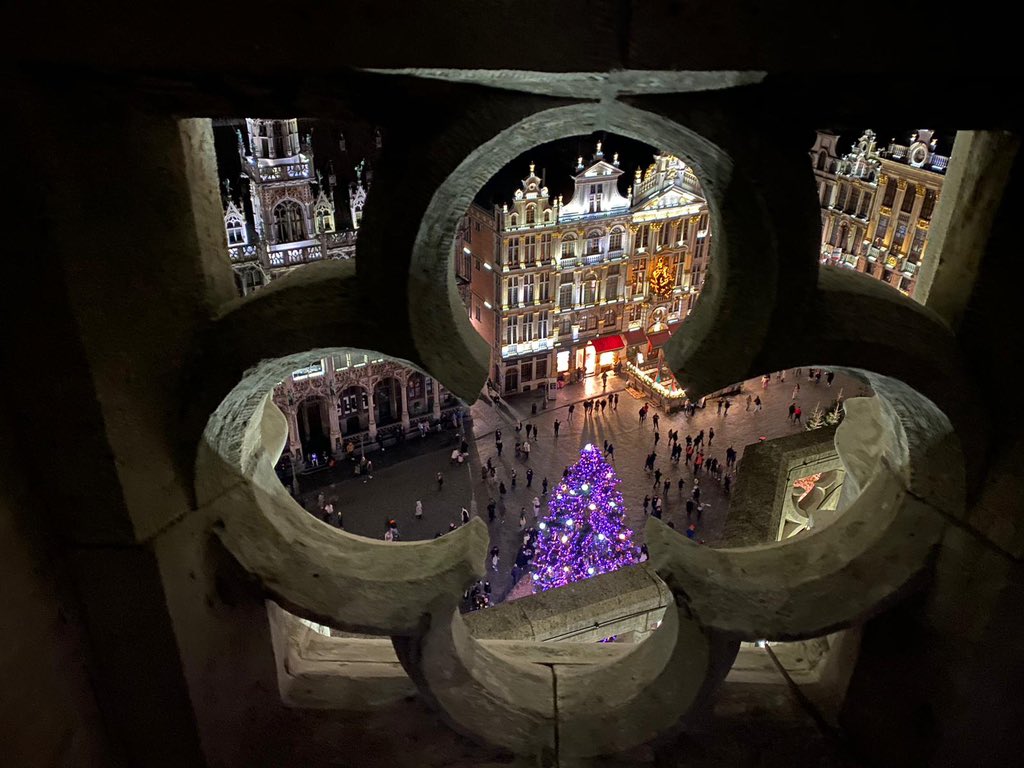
293	211
605	276
877	204
294	222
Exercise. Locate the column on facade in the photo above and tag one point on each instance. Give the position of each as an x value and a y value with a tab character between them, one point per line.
333	411
437	399
294	442
404	385
371	426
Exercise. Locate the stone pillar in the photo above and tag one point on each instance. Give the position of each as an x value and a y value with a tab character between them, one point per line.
437	399
294	444
372	426
978	169
404	386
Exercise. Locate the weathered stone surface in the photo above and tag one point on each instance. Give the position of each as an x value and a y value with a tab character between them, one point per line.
805	587
316	570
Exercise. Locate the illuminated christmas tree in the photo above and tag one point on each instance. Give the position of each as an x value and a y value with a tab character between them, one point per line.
584	532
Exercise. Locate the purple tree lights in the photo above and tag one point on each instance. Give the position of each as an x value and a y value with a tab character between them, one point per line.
583	534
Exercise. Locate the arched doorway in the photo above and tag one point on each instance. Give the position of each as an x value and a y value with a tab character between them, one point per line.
387	401
313	427
353	410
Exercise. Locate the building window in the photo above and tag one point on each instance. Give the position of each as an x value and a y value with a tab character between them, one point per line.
890	193
512	291
665	233
611	288
513	252
287	222
841	200
917	245
415	387
545	249
593	243
527	329
615	241
928	206
236	232
865	206
590	324
545	288
642	237
909	195
476	263
540	367
547	216
528	285
881	229
565	295
531	214
324	221
565	325
511	330
477	310
590	289
609	318
900	233
530	251
635	313
568	248
594	198
543	329
513	220
854	200
526	372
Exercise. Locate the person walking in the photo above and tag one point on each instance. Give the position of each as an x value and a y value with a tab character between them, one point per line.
730	456
721	402
603	404
492	507
654	420
698	462
611	451
728	405
497	436
641	413
494	558
657	477
657	436
711	436
828	378
689	454
544	487
647	502
557	425
526	450
757	404
681	484
536	508
699	439
604	381
796	392
748	402
418	514
522	518
615	402
440	481
666	487
501	488
792	410
796	415
513	479
529	477
572	408
817	377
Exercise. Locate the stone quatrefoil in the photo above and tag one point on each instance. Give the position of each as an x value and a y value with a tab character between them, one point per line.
767	305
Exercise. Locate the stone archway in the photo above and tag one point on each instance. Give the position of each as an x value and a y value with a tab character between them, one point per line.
353	409
314	426
387	401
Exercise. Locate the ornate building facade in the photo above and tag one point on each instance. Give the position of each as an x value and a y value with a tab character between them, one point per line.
294	221
877	204
586	283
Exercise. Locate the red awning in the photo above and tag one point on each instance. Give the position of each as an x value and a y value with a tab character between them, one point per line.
658	339
608	344
635	337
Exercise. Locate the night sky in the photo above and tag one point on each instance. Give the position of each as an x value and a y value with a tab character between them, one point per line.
555	161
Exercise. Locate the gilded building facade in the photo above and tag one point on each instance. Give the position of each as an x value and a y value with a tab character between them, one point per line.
602	278
292	220
877	204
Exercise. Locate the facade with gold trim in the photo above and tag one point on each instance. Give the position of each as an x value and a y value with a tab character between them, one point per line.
877	204
599	279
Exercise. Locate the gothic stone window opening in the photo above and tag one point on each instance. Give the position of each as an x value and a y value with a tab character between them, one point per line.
287	222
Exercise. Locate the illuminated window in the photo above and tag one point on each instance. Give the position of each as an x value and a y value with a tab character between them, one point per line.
615	241
287	223
531	214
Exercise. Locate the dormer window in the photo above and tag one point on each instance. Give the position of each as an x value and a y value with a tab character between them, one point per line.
594	198
236	231
531	214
